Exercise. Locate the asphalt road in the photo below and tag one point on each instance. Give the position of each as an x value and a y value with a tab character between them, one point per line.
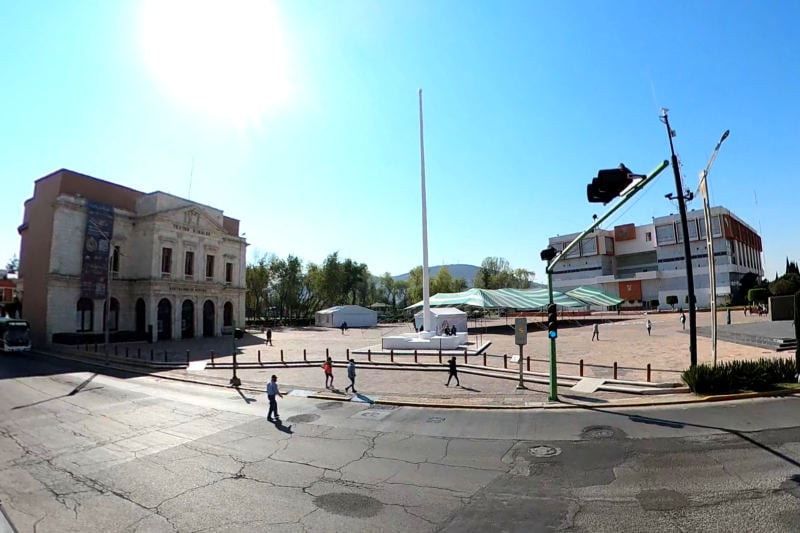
86	452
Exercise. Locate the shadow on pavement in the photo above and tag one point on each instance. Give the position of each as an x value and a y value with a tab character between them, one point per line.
247	399
73	392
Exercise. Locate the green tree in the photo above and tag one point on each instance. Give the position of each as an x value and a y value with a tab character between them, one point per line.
672	300
415	284
257	279
757	295
13	264
496	273
785	285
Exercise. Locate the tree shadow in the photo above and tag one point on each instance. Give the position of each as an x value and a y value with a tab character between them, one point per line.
73	392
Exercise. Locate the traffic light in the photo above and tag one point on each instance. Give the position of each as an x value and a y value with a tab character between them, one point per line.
609	184
552	321
238	333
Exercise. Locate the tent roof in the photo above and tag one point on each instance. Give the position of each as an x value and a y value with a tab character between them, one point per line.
594	296
442	311
502	298
336	308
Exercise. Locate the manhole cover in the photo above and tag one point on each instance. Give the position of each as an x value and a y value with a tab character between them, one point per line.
303	419
662	500
598	432
329	405
435	419
544	451
347	504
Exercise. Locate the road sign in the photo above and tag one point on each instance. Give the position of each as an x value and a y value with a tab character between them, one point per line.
521	331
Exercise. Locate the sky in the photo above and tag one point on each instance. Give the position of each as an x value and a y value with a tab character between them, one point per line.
300	118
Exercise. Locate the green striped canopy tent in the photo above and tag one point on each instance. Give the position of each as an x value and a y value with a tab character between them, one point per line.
521	299
593	296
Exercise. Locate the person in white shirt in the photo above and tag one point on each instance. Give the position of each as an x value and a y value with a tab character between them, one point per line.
272	391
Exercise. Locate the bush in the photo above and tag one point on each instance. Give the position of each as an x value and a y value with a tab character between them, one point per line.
734	376
672	300
757	295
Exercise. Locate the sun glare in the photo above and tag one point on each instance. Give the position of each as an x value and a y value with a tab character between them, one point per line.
226	58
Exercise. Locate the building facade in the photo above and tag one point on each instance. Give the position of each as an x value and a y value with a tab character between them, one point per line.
173	268
646	263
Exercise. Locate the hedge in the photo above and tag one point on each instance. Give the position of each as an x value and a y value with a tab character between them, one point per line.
735	376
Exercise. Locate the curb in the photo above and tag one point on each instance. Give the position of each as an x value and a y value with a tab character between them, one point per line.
611	404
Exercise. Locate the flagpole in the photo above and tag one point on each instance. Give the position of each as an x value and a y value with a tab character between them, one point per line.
426	293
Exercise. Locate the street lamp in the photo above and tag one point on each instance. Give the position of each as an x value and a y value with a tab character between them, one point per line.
712	267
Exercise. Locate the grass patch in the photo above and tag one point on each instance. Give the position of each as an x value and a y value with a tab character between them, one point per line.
736	376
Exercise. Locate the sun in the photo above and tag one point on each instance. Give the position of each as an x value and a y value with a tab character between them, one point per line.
226	58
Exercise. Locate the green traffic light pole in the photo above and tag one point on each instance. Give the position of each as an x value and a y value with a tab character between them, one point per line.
235	381
559	255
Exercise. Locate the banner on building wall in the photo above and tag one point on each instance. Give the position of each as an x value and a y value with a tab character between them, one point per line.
96	250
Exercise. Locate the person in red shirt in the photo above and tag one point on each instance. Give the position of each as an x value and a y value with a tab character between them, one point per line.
327	366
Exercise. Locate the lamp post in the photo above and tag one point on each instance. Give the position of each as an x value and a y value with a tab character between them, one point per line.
687	249
712	267
235	381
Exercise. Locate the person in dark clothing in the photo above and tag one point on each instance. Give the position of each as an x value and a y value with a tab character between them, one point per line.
272	391
453	329
453	373
351	375
269	337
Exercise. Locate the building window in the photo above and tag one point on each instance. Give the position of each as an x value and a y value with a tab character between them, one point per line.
227	313
589	246
209	267
665	234
85	315
228	272
166	261
115	260
693	229
716	231
188	265
648	236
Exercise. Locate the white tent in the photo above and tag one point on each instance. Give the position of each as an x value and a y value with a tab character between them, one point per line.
444	317
355	316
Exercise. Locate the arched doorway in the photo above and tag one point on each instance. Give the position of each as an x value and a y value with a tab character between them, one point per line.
227	314
84	315
208	319
164	320
141	317
187	319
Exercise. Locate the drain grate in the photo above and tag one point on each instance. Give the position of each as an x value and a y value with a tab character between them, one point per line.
542	451
435	419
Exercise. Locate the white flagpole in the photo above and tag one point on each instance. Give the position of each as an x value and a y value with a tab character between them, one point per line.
426	293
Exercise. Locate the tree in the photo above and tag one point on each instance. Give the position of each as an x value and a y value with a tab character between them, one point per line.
257	279
415	284
496	273
13	264
785	285
672	300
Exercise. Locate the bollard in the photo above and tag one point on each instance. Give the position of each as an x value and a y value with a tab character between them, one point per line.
326	353
648	372
281	355
304	354
484	358
151	354
581	367
615	370
187	357
391	355
529	363
465	357
415	356
348	354
126	352
440	355
505	360
369	355
259	358
212	358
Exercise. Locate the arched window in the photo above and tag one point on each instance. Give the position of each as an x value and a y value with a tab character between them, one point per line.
84	317
227	314
113	314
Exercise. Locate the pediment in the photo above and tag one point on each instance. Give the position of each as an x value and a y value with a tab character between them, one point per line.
192	219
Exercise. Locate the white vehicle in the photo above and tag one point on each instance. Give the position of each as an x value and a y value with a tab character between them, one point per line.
15	335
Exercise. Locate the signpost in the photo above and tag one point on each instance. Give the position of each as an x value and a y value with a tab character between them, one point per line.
521	339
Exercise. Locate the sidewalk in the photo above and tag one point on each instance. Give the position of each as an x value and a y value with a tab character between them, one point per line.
625	342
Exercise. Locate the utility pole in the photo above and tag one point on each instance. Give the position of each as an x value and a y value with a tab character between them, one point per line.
687	249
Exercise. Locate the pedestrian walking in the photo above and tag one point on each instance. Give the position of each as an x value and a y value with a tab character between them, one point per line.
683	320
649	327
272	391
453	372
595	332
351	375
269	337
327	366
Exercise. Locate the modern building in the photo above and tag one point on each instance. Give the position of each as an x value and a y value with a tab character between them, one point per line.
646	263
175	268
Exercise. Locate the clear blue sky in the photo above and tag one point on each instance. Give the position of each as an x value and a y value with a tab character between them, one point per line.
300	118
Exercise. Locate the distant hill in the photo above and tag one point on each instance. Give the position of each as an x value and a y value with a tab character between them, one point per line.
467	272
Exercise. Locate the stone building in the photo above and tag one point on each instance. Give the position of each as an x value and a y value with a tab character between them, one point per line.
174	268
